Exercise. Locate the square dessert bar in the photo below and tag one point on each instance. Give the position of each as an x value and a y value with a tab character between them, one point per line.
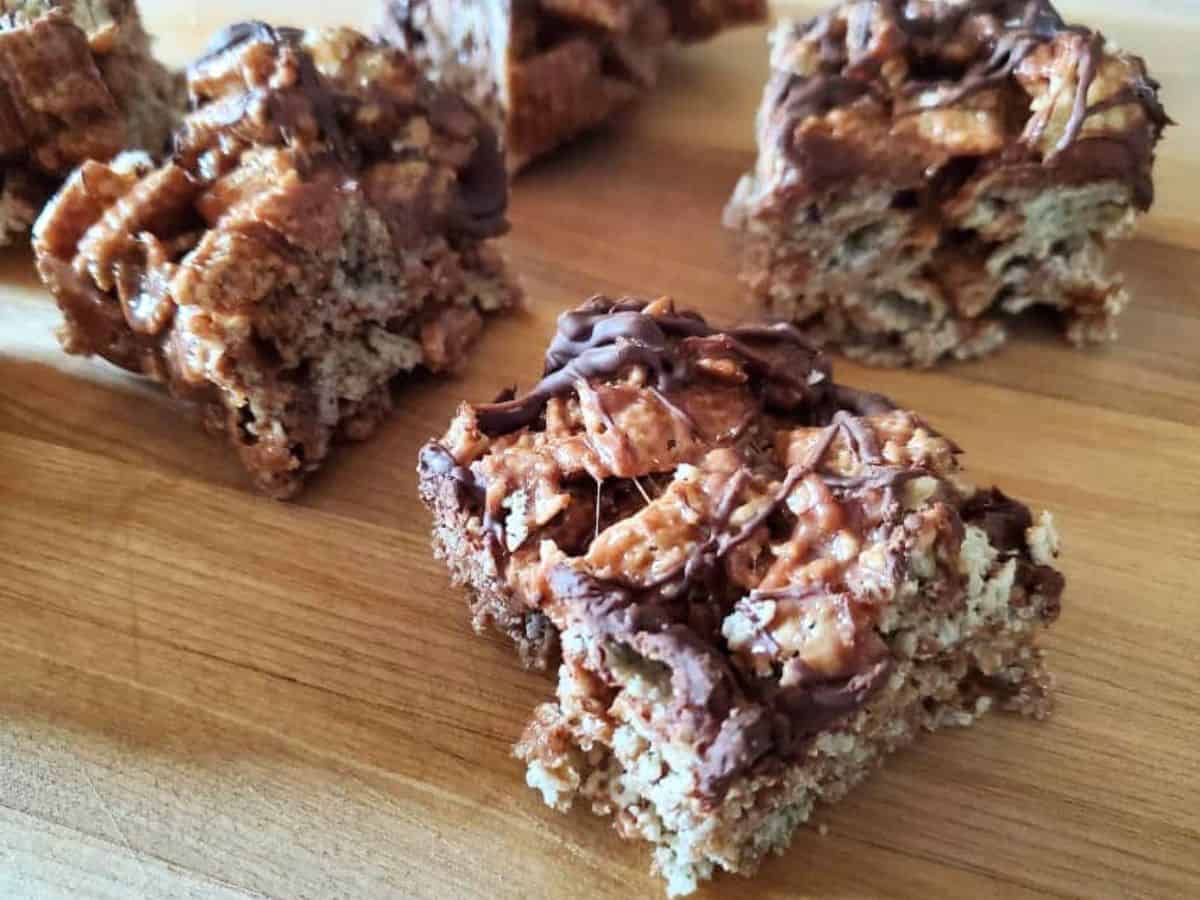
927	169
762	582
77	82
324	224
545	70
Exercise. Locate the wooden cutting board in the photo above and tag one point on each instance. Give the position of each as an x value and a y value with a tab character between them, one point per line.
207	694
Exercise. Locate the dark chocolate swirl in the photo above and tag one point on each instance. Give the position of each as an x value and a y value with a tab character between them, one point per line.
605	337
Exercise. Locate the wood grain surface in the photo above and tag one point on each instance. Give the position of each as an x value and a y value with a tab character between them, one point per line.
208	694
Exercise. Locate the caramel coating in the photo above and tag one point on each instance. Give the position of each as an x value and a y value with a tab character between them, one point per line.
320	227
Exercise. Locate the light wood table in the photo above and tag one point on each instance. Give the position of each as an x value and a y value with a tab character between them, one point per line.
208	694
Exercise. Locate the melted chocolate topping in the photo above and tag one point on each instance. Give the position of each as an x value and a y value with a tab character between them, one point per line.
848	73
319	99
1005	521
1002	519
785	723
483	189
238	33
605	337
435	462
737	721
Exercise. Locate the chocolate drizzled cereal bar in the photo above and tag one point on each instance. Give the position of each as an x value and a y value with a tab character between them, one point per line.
762	582
77	82
545	70
926	169
324	224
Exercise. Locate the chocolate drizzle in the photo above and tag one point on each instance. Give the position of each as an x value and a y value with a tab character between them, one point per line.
1010	31
606	337
710	553
1041	24
1038	23
797	97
